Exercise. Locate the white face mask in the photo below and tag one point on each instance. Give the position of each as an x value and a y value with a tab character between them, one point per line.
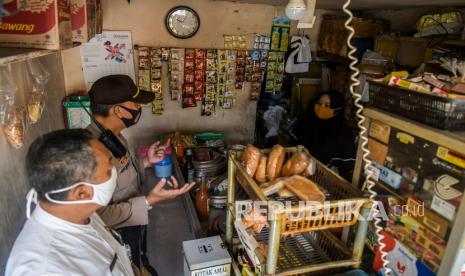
102	193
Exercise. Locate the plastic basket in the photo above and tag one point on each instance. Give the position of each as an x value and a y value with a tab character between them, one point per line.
76	116
342	208
436	111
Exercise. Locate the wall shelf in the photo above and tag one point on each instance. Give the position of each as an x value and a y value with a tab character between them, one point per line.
13	55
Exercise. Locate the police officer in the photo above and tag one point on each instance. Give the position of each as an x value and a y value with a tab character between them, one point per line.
115	102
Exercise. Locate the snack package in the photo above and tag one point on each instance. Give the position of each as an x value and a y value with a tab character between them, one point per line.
189	64
275	39
208	108
156	88
200	54
157	107
144	80
211	54
188	101
255	220
284	39
165	54
35	106
211	83
199	64
262	42
155	62
14	127
226	78
190	54
189	76
255	89
199	75
177	54
176	70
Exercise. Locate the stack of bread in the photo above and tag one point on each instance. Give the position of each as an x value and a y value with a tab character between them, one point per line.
284	176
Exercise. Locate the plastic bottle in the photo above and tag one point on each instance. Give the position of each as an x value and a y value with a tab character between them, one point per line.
201	201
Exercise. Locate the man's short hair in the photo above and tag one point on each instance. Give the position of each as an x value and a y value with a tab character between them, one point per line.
100	109
60	159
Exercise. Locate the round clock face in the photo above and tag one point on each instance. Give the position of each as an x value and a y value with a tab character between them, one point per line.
182	22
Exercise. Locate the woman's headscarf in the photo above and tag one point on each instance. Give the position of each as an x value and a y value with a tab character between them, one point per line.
325	139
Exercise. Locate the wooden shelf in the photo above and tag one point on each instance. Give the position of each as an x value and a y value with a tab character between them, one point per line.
454	140
322	56
13	55
390	190
457	42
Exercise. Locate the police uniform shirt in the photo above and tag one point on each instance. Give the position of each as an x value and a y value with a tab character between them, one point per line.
128	206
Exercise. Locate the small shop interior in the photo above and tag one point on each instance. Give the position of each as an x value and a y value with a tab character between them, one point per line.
262	100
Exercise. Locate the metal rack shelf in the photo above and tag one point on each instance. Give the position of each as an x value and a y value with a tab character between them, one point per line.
305	245
454	256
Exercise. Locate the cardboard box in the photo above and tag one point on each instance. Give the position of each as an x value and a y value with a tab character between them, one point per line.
380	131
206	256
332	32
431	220
401	260
85	19
43	24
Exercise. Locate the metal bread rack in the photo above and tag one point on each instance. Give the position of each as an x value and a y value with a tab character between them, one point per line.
302	245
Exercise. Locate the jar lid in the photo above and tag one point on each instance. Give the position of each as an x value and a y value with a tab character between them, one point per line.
166	161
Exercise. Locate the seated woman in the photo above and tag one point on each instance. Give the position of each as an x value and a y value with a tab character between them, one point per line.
326	135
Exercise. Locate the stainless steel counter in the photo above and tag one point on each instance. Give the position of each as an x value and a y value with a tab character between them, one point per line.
171	223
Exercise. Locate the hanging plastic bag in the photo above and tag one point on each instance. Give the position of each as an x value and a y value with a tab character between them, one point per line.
38	72
14	126
35	105
7	89
38	78
272	119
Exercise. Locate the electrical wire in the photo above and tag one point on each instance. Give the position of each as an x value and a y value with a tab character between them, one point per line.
369	183
340	159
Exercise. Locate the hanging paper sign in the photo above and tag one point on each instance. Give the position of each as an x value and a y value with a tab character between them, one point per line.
106	54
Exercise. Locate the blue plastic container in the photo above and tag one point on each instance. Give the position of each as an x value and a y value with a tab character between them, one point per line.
164	168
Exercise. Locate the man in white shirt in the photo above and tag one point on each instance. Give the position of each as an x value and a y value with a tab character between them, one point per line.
71	175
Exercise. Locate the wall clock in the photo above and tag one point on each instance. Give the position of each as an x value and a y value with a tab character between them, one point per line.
182	22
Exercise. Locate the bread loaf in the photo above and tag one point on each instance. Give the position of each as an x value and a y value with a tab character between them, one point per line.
295	165
250	159
272	187
285	193
304	188
260	174
275	162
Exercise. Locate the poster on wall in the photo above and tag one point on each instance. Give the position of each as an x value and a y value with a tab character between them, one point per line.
106	54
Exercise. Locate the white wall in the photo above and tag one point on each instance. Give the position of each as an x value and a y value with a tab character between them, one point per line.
13	184
145	19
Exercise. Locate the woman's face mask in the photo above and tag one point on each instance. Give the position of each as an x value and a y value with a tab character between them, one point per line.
102	192
324	112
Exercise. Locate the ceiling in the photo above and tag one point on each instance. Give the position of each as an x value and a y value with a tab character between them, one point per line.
366	4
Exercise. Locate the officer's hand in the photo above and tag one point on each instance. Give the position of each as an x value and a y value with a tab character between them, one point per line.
158	193
156	153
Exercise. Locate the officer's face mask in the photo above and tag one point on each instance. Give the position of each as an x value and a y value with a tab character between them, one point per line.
102	195
135	116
